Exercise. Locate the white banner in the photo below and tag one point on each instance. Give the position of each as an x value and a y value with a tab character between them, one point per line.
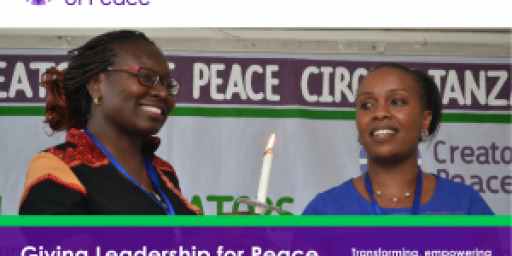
216	143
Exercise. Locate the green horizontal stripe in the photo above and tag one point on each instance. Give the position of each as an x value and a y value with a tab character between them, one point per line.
21	111
277	113
265	113
255	221
476	118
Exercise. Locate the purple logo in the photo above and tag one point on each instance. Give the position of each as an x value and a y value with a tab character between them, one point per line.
38	2
363	160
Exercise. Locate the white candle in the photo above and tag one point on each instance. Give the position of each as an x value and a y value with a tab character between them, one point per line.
265	174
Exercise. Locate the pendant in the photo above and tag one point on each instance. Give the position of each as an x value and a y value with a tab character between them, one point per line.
159	199
395	200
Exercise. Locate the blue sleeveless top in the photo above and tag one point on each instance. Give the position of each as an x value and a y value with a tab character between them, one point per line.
450	198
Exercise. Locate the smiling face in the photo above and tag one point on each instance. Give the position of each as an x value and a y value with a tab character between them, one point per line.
125	103
390	116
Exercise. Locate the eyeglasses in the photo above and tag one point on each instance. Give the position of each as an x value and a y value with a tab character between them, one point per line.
150	78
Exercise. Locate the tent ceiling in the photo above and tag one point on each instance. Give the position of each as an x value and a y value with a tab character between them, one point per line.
472	42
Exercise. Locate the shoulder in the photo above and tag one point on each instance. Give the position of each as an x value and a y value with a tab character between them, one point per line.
48	176
345	188
455	189
330	201
48	166
78	149
465	196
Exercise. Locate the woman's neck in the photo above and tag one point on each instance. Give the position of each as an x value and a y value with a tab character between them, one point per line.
124	147
394	179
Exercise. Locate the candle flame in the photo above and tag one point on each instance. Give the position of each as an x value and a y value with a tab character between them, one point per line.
270	144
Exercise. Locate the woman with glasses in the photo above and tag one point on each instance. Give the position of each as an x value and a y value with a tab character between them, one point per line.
116	93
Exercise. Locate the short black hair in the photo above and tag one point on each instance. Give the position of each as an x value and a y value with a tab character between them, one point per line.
429	93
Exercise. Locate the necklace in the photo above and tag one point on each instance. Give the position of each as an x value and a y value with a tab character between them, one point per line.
144	174
417	194
394	199
159	199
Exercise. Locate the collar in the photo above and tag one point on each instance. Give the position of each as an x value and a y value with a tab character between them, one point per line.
79	149
78	137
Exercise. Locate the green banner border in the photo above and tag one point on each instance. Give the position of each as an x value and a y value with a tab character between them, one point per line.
257	221
216	112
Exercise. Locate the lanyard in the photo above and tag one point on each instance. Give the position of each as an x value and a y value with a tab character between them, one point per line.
151	173
417	194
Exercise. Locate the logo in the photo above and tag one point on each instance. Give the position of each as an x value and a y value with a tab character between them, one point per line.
363	160
38	2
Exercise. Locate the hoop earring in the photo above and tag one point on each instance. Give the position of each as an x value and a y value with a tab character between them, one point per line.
425	135
97	101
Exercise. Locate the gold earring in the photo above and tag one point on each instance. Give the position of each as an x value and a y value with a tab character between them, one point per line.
97	101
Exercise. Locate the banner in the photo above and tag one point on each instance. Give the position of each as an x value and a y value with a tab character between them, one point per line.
264	236
230	103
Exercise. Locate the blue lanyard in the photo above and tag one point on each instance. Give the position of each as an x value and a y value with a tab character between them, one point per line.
417	194
151	173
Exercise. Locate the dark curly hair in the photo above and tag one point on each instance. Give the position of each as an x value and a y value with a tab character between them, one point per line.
68	103
429	93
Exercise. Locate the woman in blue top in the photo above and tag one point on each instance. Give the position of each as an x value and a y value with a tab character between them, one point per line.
396	109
